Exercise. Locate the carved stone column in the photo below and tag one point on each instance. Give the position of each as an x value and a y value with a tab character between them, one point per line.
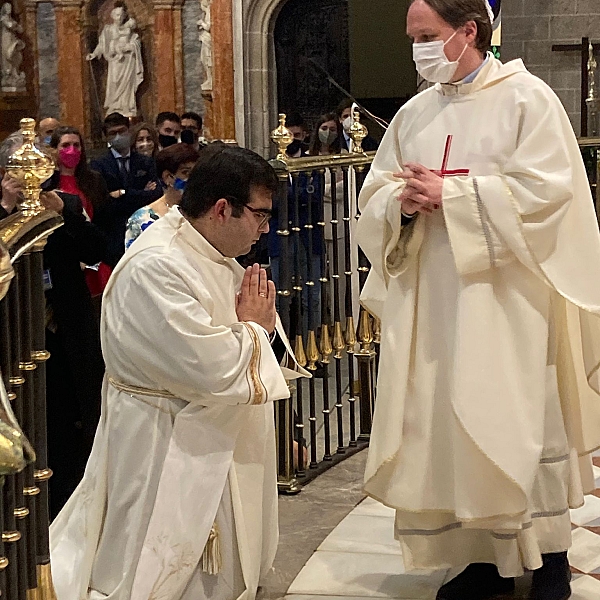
71	64
220	104
168	57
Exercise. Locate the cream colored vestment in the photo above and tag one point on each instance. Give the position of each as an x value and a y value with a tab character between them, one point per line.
199	450
487	400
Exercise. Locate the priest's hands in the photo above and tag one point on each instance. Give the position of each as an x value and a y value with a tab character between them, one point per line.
423	191
256	298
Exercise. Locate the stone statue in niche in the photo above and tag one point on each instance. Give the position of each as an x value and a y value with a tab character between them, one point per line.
13	80
206	49
121	47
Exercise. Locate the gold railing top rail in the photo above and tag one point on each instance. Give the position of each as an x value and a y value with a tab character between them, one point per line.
20	232
588	142
311	163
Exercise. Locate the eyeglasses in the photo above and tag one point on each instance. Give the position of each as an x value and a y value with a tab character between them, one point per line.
265	217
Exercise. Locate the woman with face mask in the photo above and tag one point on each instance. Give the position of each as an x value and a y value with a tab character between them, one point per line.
173	164
144	140
75	177
326	136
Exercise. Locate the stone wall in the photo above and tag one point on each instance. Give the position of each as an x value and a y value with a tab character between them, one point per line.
530	27
47	61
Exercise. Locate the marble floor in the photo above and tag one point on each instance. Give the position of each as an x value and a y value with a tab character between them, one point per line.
360	559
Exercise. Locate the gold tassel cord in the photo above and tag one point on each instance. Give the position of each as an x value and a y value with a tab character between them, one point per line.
211	557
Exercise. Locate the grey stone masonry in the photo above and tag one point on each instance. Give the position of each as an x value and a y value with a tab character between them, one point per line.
47	61
530	27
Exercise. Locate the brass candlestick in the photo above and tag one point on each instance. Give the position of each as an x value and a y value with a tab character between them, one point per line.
358	132
31	167
282	137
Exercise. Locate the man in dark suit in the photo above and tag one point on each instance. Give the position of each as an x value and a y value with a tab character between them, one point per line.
131	180
344	113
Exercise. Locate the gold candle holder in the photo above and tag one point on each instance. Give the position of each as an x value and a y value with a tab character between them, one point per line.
282	137
358	132
31	167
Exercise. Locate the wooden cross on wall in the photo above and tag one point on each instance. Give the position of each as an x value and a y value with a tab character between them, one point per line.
583	48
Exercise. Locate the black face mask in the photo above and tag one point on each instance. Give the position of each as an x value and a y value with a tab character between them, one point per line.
294	147
166	140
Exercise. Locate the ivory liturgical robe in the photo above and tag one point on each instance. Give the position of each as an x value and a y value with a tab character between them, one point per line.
186	439
488	401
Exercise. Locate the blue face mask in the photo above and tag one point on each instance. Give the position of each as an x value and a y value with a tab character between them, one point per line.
179	184
47	140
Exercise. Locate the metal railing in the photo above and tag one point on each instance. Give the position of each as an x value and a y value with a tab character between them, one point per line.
328	418
319	272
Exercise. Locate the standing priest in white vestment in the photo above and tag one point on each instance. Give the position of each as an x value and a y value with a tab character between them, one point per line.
179	498
479	224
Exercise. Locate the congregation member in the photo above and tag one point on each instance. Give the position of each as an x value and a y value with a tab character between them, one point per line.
191	130
173	165
299	147
46	128
168	125
75	368
74	176
476	216
325	139
131	181
344	114
190	511
144	140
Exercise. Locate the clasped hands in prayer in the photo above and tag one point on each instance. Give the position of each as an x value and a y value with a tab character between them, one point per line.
256	299
423	191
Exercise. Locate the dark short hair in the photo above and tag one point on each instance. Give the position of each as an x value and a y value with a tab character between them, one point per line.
114	120
294	119
459	12
224	171
343	105
167	116
194	116
172	157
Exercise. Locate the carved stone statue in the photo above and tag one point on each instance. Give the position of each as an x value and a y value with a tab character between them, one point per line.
13	80
206	49
121	47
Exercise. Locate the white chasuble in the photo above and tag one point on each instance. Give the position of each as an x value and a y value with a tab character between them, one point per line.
186	439
488	402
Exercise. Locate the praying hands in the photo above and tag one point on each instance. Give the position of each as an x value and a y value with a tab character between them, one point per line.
423	191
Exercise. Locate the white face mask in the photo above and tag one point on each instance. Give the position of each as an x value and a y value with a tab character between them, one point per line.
347	123
433	64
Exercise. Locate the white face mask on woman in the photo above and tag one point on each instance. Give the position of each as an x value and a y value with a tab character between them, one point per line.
432	63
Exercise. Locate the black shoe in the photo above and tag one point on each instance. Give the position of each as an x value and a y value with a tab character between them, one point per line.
479	581
551	582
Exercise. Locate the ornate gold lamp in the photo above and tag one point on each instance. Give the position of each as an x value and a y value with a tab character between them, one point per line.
358	132
282	137
31	167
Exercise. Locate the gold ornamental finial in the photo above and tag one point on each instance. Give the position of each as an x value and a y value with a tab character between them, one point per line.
299	351
312	352
365	332
338	340
325	346
282	137
358	132
31	167
350	335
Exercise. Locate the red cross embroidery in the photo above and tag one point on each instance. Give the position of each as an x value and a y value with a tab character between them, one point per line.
444	171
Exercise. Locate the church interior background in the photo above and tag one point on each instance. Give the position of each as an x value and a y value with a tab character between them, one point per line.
239	63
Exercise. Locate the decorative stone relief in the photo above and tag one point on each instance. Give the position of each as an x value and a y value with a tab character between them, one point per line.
13	79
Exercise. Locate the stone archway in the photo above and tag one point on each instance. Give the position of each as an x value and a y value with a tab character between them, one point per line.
256	91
